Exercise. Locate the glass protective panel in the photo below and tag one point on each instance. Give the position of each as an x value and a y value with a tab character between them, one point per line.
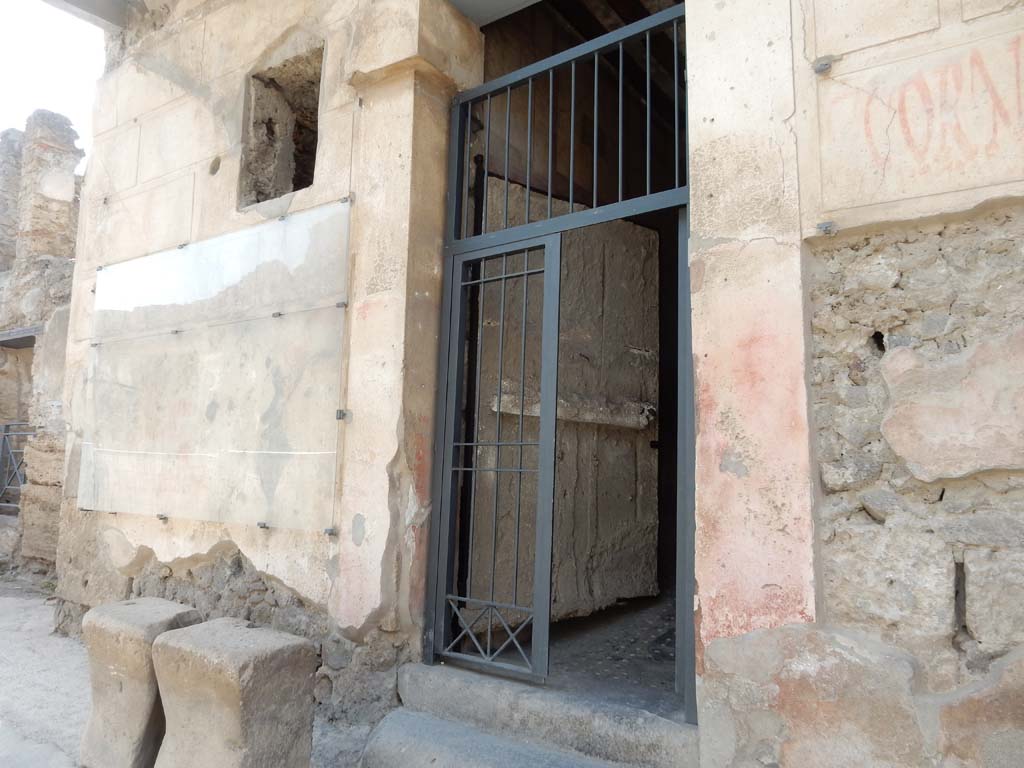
215	378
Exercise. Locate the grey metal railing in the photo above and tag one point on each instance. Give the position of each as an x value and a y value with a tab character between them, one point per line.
12	461
629	85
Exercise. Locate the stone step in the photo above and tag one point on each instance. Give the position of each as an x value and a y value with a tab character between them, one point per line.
588	726
407	739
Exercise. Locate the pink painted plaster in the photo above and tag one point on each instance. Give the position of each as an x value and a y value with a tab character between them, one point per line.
754	558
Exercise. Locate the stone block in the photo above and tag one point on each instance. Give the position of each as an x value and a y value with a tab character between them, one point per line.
114	165
235	696
10	536
126	724
44	459
974	9
842	26
995	599
237	33
104	105
982	725
883	578
159	75
807	697
960	415
163	146
40	514
146	221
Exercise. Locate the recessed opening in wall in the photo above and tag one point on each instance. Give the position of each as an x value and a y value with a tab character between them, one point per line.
281	134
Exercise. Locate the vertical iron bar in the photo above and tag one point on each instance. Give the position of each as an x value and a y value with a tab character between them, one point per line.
551	131
456	176
487	159
466	222
442	530
675	91
686	124
686	435
620	119
572	134
596	71
508	137
522	413
529	147
647	56
546	456
464	183
439	571
482	289
497	446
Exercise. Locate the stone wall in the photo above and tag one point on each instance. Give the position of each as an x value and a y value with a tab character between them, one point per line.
39	199
856	601
918	408
10	189
166	170
917	334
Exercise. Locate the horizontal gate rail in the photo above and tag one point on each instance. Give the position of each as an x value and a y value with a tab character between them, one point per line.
488	109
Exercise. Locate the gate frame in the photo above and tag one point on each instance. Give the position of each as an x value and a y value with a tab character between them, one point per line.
453	364
505	239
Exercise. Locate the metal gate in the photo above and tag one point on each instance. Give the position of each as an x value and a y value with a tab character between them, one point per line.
490	568
498	474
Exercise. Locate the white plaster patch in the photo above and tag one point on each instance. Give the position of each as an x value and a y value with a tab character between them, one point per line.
120	551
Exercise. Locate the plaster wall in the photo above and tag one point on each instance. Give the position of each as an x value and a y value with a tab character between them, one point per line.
164	172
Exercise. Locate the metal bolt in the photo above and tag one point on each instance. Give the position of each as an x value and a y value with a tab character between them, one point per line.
182	245
162	518
823	65
277	314
331	531
828	228
264	526
342	305
341	415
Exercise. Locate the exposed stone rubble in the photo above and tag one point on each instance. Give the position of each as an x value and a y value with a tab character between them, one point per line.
10	188
355	682
39	201
235	695
126	724
919	408
281	136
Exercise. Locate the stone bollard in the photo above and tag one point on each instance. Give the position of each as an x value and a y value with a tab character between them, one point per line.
126	724
235	696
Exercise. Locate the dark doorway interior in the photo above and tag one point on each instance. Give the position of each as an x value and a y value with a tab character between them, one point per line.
562	527
615	500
